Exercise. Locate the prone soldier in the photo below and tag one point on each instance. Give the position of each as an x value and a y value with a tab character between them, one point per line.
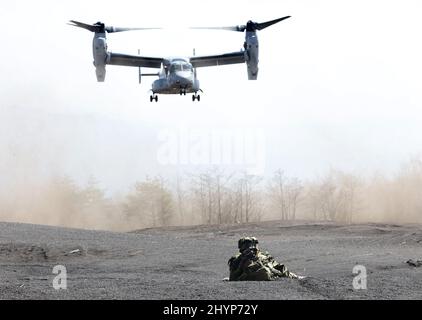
251	264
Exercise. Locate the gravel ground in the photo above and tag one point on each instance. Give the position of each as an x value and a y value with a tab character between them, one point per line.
190	262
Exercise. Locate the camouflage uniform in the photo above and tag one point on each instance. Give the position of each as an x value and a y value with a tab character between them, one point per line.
253	265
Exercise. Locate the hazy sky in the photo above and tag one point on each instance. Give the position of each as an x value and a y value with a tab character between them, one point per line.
340	85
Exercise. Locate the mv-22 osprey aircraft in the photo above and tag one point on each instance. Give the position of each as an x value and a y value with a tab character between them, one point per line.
177	75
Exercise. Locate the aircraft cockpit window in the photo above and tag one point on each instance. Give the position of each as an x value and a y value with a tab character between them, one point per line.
180	67
187	67
175	67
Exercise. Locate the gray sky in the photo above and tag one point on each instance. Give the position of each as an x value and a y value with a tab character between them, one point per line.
339	85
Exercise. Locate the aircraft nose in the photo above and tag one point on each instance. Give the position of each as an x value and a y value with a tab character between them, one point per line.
183	80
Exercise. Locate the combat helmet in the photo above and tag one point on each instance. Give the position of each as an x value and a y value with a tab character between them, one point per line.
247	242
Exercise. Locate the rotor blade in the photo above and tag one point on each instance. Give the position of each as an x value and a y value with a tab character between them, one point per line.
261	26
89	27
115	29
99	27
234	28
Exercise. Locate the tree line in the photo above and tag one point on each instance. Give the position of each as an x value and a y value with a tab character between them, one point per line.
219	197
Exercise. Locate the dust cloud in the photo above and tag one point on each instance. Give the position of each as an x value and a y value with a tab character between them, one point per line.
48	176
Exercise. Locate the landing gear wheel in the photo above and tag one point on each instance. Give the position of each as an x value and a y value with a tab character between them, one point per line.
193	98
198	97
153	98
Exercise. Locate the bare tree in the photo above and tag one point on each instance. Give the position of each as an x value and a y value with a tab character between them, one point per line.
97	209
349	185
312	200
248	195
278	194
180	196
213	191
329	200
202	191
223	195
151	204
294	189
334	196
284	193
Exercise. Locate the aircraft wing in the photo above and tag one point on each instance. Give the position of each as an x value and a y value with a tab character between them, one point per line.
218	60
119	59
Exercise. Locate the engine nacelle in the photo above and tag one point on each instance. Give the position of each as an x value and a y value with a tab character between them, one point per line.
100	72
252	54
99	48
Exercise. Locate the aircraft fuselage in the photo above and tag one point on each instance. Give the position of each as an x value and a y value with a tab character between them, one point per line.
176	77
